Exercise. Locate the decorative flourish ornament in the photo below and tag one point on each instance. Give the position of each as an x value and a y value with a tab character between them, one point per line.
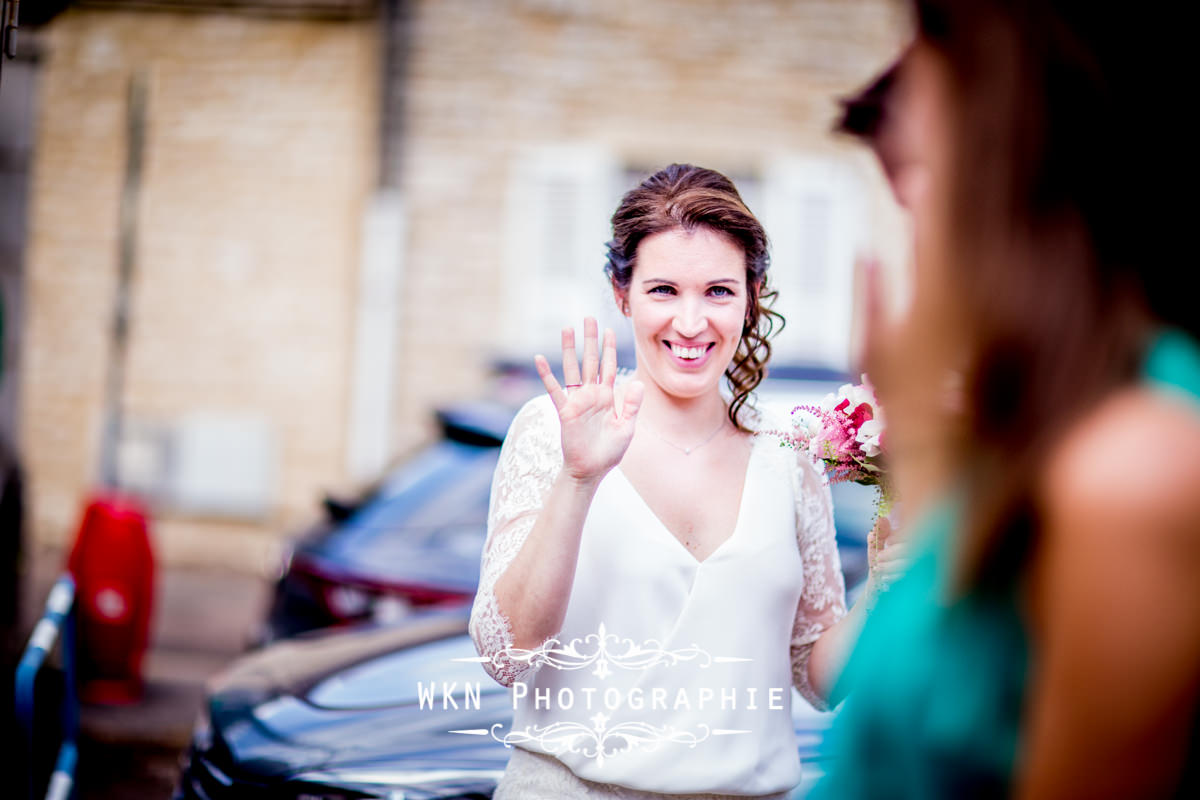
600	741
603	651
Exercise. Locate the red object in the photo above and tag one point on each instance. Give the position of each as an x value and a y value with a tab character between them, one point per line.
113	565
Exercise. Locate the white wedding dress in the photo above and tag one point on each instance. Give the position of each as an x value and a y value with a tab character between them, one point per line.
646	619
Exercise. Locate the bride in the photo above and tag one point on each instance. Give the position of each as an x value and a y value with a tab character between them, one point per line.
658	571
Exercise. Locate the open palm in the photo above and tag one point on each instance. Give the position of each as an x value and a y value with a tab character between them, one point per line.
595	433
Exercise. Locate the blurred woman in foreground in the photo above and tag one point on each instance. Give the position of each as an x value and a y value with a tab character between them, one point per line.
1048	642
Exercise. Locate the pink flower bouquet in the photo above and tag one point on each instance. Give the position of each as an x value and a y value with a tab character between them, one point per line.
845	433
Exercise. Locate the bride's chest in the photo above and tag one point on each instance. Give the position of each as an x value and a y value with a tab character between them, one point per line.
700	508
722	510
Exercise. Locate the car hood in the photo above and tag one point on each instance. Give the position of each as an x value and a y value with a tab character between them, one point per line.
289	738
349	701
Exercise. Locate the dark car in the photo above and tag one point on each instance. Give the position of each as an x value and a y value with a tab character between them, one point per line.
338	715
414	540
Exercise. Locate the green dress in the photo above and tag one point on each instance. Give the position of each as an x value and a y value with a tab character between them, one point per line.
936	687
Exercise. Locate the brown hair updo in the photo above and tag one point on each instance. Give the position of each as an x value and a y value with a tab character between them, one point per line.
687	197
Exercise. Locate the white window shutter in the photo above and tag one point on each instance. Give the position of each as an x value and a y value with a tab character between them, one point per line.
560	200
812	209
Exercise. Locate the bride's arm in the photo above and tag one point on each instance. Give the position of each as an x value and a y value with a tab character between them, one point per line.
824	633
558	450
822	606
534	589
529	466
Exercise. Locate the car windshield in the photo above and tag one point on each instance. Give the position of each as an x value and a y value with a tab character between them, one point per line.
447	484
439	499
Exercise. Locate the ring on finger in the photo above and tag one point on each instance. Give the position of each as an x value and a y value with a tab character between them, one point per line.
572	385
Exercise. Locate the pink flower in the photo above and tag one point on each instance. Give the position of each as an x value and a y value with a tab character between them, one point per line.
845	433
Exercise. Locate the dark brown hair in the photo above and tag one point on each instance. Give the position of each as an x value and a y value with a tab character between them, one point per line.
1063	238
688	197
864	113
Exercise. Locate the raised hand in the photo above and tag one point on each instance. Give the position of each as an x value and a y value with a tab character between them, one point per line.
595	433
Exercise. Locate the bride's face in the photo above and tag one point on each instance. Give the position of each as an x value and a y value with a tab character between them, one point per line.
687	302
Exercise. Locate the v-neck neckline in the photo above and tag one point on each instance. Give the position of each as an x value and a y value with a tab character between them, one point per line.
737	523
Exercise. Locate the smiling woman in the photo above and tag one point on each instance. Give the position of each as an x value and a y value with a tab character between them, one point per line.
649	532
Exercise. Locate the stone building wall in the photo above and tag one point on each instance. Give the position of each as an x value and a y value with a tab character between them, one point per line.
260	152
262	163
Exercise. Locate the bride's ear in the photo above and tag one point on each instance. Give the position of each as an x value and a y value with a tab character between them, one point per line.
621	298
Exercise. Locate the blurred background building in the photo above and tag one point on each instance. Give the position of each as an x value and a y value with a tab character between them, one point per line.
324	218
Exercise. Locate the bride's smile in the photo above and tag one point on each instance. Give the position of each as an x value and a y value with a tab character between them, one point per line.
689	354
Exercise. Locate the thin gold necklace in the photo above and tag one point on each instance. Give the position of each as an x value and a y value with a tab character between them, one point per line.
687	451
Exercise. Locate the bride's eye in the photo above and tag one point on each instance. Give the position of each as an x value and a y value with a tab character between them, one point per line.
721	291
661	289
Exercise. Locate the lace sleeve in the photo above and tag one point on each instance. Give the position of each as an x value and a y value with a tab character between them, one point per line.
530	460
823	599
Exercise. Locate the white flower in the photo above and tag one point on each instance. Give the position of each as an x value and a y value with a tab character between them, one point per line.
868	436
811	426
849	392
857	394
869	392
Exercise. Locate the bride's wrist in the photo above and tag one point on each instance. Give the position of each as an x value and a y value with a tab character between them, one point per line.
584	485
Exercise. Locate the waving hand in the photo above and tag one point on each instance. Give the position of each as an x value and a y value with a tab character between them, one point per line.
595	433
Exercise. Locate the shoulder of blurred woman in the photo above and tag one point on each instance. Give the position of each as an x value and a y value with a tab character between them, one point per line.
1129	469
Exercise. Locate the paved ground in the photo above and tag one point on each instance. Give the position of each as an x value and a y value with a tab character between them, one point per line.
202	620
